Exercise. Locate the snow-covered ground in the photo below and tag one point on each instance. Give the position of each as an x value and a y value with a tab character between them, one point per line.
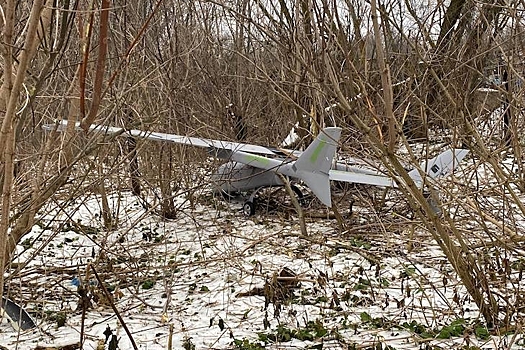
212	279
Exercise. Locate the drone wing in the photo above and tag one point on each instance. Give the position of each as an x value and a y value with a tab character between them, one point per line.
183	140
432	169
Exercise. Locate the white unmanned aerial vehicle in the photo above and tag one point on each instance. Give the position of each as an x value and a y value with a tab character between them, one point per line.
252	167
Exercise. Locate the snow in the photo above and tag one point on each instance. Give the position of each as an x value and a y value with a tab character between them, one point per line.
197	264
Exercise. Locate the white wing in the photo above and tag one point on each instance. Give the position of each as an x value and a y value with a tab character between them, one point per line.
184	140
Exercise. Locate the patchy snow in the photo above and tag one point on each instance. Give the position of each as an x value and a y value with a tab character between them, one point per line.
207	279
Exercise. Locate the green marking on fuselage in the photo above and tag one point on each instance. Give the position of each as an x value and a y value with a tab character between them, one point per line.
256	158
317	152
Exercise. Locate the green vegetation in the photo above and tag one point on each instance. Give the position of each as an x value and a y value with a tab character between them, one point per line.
148	284
373	322
418	329
245	344
455	329
312	330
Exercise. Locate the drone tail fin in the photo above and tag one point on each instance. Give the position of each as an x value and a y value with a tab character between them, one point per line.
438	166
314	164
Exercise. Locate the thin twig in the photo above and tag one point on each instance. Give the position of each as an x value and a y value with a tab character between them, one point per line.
110	301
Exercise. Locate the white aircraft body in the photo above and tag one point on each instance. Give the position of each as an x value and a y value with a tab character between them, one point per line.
251	167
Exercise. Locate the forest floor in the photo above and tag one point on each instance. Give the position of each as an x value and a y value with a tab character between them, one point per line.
215	279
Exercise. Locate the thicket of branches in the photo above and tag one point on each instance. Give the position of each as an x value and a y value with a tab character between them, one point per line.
388	72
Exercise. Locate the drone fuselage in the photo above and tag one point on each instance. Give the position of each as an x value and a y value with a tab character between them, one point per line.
234	177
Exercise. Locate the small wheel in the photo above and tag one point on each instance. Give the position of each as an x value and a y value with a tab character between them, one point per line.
248	208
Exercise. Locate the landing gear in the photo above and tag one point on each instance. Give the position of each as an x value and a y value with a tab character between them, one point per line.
299	194
226	195
248	208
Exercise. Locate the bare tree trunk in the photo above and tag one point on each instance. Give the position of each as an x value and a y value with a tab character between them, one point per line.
452	16
507	114
133	160
7	53
134	166
296	204
164	175
41	188
107	216
100	68
385	81
7	133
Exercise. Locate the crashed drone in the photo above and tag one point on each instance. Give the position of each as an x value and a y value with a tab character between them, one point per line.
251	167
